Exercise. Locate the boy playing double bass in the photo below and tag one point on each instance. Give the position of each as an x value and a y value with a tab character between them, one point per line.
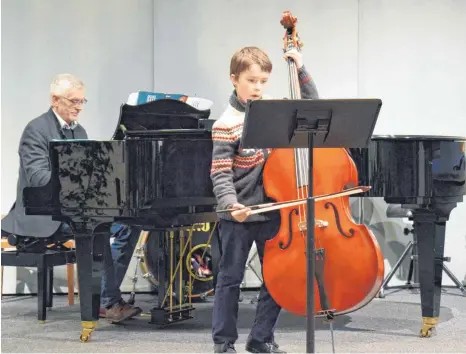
237	181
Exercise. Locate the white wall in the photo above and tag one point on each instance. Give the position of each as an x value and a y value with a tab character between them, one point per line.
202	36
412	55
409	53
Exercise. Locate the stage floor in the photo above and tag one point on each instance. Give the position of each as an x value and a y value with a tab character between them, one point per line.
391	324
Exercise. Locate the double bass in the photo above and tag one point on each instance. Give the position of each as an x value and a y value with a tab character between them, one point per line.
349	266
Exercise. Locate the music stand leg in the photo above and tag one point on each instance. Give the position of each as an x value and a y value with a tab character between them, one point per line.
410	272
249	266
454	279
395	268
310	250
255	299
132	296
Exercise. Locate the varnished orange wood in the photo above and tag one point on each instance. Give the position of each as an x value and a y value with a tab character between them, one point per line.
354	267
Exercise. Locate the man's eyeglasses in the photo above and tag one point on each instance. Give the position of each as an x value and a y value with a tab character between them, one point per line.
76	102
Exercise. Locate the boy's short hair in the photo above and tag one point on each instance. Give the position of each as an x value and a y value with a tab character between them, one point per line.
248	56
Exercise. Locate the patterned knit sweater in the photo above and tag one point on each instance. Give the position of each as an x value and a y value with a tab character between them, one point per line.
237	173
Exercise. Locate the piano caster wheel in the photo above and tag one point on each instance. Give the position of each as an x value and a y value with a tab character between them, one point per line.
84	337
88	327
428	327
41	322
426	333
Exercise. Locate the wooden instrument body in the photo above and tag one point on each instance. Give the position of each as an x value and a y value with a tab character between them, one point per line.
353	266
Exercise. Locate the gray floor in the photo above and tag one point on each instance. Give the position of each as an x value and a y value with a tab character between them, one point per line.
385	325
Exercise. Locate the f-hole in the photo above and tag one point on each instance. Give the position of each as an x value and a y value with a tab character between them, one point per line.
290	230
337	219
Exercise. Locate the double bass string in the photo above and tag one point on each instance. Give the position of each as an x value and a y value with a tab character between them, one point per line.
295	94
300	154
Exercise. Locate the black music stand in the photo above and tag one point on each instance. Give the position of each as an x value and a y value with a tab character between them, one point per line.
325	123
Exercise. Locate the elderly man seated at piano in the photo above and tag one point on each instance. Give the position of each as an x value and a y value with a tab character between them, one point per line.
61	122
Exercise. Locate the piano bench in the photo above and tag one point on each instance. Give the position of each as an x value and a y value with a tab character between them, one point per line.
45	262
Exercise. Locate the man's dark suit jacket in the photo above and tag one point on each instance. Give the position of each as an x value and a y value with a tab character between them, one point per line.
34	171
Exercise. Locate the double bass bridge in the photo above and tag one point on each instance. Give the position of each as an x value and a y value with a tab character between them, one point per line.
319	223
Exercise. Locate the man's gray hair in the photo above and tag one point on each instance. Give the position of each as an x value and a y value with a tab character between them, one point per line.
63	83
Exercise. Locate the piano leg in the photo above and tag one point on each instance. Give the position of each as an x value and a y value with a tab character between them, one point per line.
430	234
89	261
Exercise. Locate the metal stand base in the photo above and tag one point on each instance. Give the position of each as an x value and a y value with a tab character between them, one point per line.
414	285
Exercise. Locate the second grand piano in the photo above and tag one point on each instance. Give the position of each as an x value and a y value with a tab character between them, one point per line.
426	175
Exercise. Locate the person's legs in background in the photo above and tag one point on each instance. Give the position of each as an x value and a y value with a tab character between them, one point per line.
123	248
117	258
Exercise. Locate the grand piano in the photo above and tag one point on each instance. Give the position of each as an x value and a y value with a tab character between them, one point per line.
427	176
155	173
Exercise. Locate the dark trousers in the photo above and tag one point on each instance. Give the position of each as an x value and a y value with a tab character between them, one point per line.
117	258
236	242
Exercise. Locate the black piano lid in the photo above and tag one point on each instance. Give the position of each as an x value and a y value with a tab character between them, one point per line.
159	115
418	137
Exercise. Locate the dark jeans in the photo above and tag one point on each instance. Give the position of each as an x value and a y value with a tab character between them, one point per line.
120	253
236	242
116	260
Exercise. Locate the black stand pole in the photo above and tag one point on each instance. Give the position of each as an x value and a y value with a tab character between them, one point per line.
310	319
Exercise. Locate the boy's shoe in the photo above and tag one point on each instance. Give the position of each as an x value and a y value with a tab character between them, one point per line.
254	346
224	348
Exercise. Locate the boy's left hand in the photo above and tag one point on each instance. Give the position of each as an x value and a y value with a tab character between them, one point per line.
296	56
